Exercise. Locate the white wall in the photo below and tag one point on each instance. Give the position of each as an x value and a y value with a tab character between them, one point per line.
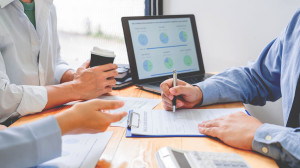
234	32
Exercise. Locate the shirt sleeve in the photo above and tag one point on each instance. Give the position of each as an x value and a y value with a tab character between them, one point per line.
278	142
30	144
254	84
24	99
60	68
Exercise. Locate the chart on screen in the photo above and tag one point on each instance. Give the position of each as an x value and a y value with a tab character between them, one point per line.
162	45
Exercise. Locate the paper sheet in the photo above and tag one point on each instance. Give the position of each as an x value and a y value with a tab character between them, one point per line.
182	122
131	103
80	151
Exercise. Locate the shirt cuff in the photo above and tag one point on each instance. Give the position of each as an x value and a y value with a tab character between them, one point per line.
59	72
34	100
266	137
210	92
47	135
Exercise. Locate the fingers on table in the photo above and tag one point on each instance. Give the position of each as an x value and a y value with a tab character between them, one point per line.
211	127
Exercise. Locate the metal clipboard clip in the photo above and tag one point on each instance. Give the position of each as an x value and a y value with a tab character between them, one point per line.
133	117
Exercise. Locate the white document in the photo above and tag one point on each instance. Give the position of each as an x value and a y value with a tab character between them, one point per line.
80	151
131	103
182	122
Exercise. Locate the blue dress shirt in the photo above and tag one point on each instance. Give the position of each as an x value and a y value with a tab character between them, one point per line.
273	75
30	144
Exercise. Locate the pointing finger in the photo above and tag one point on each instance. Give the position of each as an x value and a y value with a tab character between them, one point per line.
105	104
117	117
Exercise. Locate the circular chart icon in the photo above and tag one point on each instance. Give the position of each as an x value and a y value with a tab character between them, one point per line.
143	39
188	60
164	38
168	63
147	65
183	36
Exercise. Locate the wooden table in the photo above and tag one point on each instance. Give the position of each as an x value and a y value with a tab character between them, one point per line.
139	152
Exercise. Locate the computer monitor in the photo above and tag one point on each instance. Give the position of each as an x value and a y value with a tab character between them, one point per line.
157	45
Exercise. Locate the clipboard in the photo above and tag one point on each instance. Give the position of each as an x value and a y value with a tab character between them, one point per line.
130	124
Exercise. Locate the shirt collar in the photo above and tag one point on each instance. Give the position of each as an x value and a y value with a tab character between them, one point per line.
4	3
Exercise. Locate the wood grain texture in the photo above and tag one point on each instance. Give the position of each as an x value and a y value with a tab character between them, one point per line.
139	152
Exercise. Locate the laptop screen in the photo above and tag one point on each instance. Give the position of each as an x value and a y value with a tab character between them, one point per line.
162	45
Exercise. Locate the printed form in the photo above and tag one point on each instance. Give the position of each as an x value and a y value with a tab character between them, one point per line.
131	103
182	122
82	151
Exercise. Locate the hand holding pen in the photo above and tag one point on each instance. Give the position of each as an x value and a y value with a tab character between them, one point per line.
187	96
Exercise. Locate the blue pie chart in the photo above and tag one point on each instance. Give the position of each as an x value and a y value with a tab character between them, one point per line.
183	36
168	63
164	38
143	39
147	65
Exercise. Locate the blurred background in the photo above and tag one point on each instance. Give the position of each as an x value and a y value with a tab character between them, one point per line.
93	23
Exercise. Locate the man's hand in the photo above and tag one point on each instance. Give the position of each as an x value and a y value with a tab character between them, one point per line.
88	83
188	95
88	117
92	82
236	130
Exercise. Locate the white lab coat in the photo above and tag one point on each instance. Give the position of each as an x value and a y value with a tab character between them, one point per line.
29	58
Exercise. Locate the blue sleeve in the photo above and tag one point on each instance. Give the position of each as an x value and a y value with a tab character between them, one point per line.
30	144
278	142
255	84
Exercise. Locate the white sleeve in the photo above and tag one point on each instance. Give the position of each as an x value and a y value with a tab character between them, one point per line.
24	99
60	68
30	144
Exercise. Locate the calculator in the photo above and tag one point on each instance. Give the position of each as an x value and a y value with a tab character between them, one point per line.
167	157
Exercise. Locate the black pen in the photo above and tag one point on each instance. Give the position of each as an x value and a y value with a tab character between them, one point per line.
174	84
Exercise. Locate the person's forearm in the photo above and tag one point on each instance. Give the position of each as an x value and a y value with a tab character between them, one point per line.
254	84
61	94
238	84
280	143
231	85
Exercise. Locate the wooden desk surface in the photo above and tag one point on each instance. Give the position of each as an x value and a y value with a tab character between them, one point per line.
139	152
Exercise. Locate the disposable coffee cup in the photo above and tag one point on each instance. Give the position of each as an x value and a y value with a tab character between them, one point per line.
101	57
